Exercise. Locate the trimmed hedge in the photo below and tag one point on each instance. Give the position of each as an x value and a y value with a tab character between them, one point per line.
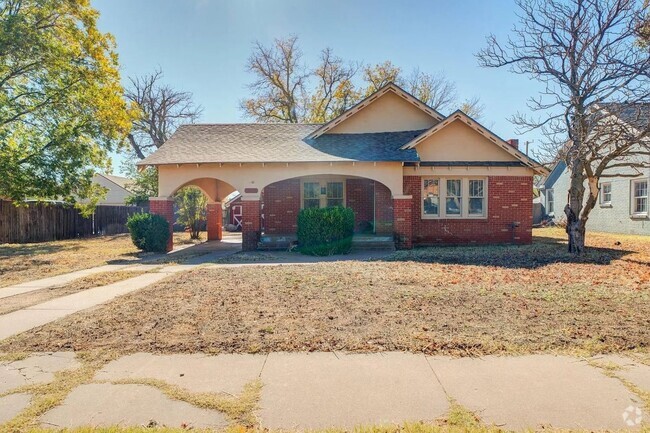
327	231
149	232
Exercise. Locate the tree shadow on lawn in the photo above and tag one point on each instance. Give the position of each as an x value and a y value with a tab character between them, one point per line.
542	252
11	250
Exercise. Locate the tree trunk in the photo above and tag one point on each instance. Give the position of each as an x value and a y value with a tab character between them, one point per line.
575	226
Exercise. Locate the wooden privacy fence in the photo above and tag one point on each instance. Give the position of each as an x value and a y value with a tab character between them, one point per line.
38	222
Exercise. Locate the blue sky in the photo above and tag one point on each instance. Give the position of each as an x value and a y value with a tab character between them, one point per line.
202	45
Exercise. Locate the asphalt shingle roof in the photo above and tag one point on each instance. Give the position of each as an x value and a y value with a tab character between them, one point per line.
637	115
278	143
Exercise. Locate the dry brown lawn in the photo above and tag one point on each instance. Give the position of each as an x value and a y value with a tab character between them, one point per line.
26	262
17	302
453	300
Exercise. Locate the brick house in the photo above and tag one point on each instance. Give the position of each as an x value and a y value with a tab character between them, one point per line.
406	170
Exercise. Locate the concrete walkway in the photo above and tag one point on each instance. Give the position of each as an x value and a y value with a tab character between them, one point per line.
206	252
333	390
38	315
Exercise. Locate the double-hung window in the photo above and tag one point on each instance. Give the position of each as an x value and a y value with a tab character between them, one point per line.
431	197
311	195
334	194
606	194
550	202
326	193
640	197
476	197
454	197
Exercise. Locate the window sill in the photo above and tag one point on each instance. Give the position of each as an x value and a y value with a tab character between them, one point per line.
448	218
639	217
606	205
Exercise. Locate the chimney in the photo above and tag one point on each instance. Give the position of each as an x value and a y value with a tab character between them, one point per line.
514	142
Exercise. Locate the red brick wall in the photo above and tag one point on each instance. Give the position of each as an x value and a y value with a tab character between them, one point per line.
165	208
403	222
250	224
358	197
509	200
383	209
214	215
281	201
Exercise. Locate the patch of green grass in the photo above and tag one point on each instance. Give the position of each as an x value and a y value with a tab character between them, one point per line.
13	356
239	409
46	396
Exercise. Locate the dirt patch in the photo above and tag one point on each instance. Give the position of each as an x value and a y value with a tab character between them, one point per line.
510	300
13	303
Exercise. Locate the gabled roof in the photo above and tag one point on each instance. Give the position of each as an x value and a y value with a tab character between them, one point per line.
277	142
460	116
390	87
635	114
120	181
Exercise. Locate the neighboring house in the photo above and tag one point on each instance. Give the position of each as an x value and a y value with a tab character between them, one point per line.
118	189
405	169
233	211
624	202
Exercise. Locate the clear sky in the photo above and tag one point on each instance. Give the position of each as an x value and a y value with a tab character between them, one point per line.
202	45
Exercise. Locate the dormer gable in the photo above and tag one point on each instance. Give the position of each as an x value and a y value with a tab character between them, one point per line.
389	109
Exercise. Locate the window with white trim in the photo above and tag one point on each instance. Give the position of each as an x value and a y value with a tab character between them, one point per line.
640	197
455	197
606	193
323	193
334	194
311	194
476	197
550	201
431	197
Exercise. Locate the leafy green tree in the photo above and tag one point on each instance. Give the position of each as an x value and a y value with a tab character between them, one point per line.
145	182
191	211
61	104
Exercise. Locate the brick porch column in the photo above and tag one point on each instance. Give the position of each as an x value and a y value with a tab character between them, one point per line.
403	222
250	227
214	215
164	207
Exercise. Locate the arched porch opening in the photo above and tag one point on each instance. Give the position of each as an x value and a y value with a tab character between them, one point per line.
281	201
215	192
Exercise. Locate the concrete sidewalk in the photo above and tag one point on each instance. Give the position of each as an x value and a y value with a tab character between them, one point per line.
321	390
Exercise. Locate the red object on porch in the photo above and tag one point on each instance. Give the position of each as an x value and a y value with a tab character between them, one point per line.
250	224
214	216
165	208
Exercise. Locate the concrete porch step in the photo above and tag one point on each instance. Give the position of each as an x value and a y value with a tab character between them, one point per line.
276	242
372	242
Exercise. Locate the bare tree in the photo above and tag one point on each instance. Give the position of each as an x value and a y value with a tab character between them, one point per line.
585	53
473	107
434	90
286	91
334	91
280	80
161	110
379	75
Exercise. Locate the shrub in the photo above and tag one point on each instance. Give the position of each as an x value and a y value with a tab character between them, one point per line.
323	232
149	232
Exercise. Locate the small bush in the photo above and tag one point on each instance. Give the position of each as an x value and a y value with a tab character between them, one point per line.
149	232
323	232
